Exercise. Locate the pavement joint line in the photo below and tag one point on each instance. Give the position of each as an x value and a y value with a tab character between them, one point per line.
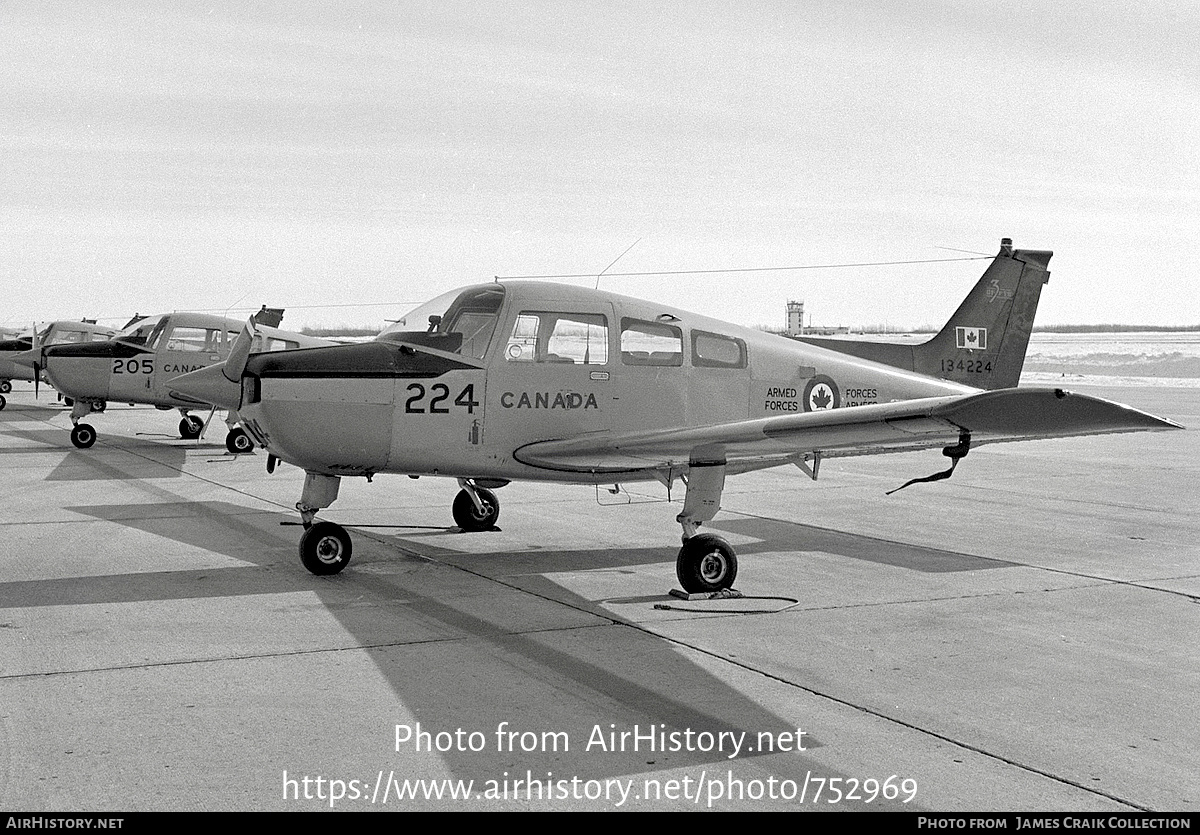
258	656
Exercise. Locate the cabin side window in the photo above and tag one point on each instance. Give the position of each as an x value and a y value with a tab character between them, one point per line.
712	350
194	339
650	343
568	338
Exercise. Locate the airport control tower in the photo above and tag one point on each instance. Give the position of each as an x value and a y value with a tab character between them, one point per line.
795	318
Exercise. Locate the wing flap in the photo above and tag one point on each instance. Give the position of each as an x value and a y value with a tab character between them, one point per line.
989	417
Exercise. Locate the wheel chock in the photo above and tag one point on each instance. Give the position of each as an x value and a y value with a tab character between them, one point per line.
723	594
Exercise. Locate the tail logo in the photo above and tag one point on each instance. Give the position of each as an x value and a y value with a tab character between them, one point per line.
973	339
994	292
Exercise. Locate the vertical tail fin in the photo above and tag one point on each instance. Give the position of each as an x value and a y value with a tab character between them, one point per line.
984	342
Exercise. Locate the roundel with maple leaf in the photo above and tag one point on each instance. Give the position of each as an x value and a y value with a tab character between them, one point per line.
820	394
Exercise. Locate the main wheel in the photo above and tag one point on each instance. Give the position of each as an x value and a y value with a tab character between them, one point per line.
325	548
706	563
190	428
238	442
469	518
83	435
5	387
3	402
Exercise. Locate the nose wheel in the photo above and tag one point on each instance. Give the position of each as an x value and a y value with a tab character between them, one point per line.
325	548
83	435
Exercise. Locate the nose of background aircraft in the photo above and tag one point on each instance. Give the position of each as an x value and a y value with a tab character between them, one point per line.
26	359
76	373
208	385
11	369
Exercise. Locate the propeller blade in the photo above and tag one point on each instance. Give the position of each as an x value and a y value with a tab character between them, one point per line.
239	353
36	350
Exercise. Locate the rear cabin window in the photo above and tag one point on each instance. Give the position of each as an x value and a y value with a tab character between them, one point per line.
650	343
568	338
712	350
276	344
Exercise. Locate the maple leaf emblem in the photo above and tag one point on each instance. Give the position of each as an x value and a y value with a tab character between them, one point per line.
971	337
821	398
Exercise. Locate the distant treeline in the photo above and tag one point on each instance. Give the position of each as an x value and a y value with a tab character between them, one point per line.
1115	328
330	332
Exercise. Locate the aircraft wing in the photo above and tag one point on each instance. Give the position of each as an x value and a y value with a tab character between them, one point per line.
1017	414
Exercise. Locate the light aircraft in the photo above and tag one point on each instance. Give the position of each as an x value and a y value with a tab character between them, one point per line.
17	355
533	380
137	365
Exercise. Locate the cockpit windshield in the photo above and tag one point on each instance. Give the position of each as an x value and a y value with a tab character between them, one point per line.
459	322
143	332
64	335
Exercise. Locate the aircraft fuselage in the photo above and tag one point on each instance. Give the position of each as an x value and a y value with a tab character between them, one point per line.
557	362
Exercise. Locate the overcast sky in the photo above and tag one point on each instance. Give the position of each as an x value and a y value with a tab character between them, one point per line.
158	156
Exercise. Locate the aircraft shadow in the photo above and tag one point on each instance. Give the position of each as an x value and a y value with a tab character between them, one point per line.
457	649
770	535
48	437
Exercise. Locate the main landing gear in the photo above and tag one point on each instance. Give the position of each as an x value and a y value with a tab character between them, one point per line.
5	386
706	562
238	442
475	508
190	427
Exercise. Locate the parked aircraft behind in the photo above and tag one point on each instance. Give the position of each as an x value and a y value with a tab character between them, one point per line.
137	365
17	355
562	383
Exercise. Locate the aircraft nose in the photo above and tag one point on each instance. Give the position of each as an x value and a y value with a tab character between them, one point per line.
80	377
26	358
208	385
